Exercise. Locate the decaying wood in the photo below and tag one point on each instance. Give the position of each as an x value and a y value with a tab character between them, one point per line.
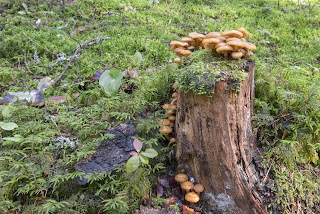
216	145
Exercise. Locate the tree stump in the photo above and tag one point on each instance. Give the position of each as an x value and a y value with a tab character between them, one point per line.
216	145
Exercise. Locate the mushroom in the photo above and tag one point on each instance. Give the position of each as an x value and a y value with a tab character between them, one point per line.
232	39
178	51
166	106
224	49
175	94
177	60
210	43
237	55
192	197
220	44
187	40
198	188
232	33
175	86
212	35
197	38
244	32
178	44
165	122
249	45
165	130
187	186
185	53
222	38
236	44
181	177
172	118
170	112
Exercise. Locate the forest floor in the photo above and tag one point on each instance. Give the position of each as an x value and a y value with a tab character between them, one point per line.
41	145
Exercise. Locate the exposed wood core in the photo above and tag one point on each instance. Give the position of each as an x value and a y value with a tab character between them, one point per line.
216	144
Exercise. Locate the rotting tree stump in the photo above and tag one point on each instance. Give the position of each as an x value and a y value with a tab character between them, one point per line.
216	145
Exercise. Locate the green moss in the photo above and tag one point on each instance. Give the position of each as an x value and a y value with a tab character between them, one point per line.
205	68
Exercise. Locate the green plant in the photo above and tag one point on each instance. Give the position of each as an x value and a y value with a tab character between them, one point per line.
110	80
134	161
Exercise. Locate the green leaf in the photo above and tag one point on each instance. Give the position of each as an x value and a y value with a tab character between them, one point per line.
16	138
137	58
133	164
7	111
25	7
8	126
150	153
144	159
110	80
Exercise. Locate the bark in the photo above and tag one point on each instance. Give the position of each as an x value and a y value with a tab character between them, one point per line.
216	145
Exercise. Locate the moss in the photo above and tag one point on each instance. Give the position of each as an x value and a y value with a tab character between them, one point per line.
205	68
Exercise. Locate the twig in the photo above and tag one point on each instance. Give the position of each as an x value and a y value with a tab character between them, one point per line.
38	44
92	41
264	180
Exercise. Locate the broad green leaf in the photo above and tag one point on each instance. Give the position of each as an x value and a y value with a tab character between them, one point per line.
137	58
133	164
137	145
25	7
110	80
16	138
7	111
8	126
150	153
144	159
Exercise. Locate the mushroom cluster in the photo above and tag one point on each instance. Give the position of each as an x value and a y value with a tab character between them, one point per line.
187	187
229	43
168	123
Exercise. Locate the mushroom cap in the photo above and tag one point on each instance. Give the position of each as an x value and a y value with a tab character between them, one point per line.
220	44
165	130
213	35
222	38
224	48
166	106
249	45
178	43
175	94
232	39
173	107
173	140
178	50
244	32
187	185
181	177
170	112
232	33
185	52
172	118
175	86
195	35
198	188
165	122
235	43
211	41
192	197
177	60
186	39
237	55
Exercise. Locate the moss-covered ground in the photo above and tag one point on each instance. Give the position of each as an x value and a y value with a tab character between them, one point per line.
35	177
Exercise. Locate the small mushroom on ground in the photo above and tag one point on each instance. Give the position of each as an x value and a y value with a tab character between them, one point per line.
192	197
188	40
224	49
170	112
249	45
175	86
174	101
198	188
210	43
185	53
187	186
236	44
175	94
177	60
181	177
165	130
165	122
